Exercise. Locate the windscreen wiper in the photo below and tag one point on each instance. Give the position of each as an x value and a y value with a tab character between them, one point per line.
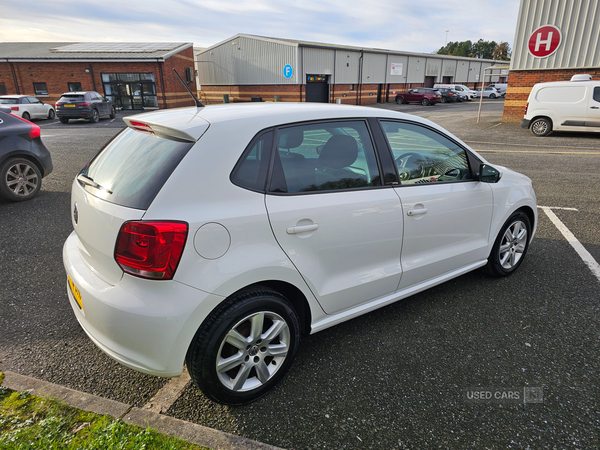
90	182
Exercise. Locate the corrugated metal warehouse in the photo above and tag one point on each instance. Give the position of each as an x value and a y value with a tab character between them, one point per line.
246	67
554	40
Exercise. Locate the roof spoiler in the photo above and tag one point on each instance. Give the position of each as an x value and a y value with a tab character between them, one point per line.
199	104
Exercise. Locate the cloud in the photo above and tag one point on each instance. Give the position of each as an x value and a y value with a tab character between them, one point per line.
388	24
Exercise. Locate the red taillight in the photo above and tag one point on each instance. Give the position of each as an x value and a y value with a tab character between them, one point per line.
83	104
526	108
34	131
14	108
151	249
143	127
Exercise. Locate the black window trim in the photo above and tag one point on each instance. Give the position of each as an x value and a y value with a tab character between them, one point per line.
245	153
473	161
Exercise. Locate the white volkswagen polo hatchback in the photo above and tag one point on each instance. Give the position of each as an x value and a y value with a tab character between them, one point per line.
216	236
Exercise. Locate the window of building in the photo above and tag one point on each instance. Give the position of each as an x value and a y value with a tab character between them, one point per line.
40	88
75	87
2	89
131	90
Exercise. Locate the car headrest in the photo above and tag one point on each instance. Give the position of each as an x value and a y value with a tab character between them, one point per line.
291	138
340	151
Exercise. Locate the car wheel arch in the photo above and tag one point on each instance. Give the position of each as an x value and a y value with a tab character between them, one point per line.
291	292
27	156
542	116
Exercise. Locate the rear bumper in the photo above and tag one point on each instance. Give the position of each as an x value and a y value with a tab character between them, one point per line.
145	325
525	123
74	114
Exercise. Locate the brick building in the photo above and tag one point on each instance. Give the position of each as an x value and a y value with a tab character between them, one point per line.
554	40
246	67
132	75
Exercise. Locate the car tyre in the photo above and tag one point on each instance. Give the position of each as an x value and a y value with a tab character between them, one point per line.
51	114
444	100
425	102
541	127
510	246
63	120
20	179
492	96
113	112
245	347
95	116
399	100
26	115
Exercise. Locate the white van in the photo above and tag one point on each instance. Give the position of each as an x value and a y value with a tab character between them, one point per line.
564	106
471	94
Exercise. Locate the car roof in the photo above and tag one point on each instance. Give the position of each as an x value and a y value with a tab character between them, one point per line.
261	115
76	92
15	96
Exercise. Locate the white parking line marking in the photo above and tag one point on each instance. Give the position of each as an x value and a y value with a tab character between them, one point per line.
167	395
588	259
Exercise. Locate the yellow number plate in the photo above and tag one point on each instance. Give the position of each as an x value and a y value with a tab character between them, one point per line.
69	106
75	292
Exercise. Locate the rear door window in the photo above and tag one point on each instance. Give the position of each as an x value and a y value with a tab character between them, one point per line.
133	167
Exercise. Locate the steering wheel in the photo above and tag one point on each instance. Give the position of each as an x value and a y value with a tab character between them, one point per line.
405	169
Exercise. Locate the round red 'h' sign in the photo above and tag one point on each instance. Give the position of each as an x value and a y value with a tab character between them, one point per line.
544	41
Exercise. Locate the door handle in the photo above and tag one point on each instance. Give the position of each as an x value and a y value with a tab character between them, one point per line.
594	107
416	212
302	229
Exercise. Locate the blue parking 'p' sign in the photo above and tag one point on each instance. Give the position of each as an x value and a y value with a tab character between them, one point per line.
288	71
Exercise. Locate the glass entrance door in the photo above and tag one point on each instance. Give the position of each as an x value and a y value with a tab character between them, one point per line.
131	90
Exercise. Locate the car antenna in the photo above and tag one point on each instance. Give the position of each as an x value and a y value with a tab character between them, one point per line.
199	104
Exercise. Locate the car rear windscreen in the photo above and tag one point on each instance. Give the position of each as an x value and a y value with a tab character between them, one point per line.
8	101
133	167
71	98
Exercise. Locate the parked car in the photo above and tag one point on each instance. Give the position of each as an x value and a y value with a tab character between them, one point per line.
460	88
462	97
424	96
24	159
489	92
84	105
216	236
564	106
448	95
27	107
502	87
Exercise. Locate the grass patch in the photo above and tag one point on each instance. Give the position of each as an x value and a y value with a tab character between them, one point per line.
28	422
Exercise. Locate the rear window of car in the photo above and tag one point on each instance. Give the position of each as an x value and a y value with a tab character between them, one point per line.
71	98
8	101
133	167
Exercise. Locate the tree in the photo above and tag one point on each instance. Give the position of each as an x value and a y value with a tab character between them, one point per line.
480	49
501	52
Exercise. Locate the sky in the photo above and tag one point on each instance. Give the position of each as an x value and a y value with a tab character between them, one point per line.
405	25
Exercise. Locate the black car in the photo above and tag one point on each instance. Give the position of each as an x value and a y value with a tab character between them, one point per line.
84	105
24	159
449	95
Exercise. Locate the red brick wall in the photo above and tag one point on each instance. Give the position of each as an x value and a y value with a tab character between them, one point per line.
349	94
520	84
57	76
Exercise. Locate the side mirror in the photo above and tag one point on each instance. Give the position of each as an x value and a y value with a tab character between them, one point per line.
487	174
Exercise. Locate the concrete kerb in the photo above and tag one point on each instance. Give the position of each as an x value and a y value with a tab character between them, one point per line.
197	434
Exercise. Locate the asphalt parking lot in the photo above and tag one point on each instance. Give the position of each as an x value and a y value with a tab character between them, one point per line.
397	378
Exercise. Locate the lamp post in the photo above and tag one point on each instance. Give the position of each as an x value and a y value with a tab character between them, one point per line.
446	38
